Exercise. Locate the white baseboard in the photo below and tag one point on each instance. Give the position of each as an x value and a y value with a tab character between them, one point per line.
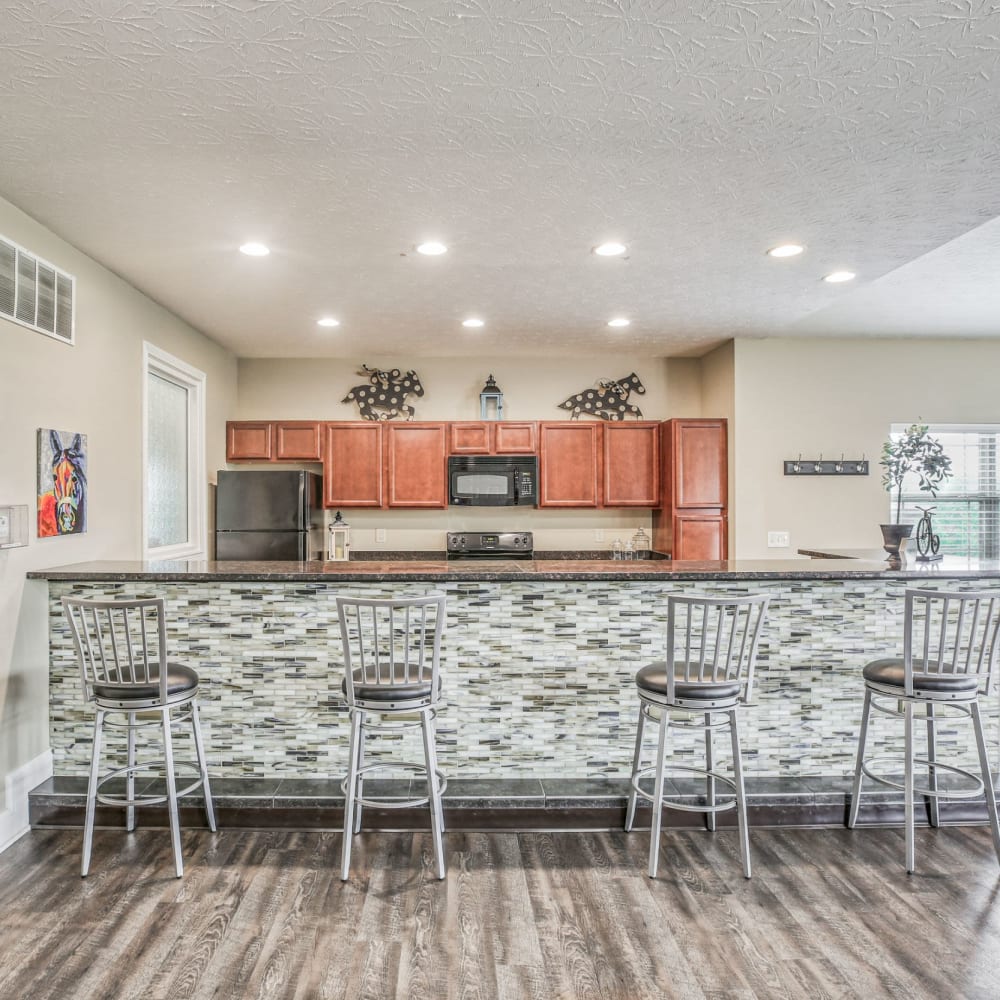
14	819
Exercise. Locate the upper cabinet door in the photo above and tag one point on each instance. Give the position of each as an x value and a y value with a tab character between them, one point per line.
632	464
416	465
297	441
515	438
468	438
570	458
699	463
352	464
249	441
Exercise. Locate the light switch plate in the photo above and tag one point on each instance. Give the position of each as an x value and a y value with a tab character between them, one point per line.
380	534
778	539
598	534
13	526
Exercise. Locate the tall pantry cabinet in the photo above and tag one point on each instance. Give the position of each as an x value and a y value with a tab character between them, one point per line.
692	521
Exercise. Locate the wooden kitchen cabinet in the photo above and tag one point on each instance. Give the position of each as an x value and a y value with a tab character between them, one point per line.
273	441
469	438
511	437
692	522
569	464
486	437
631	463
699	535
249	440
297	441
695	462
352	464
416	465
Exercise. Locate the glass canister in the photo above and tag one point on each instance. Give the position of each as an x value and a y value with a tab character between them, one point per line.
640	544
616	549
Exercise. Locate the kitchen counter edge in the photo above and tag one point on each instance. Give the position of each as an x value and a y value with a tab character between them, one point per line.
501	571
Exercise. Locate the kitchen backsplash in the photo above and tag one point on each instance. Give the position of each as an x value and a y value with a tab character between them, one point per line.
554	530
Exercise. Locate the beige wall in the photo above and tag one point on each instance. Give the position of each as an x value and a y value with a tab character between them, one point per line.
833	397
532	389
93	387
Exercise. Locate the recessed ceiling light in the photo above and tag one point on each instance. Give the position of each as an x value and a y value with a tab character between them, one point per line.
328	321
618	321
610	249
254	250
836	277
786	250
432	249
473	322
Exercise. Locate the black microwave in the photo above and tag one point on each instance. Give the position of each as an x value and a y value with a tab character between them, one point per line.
492	481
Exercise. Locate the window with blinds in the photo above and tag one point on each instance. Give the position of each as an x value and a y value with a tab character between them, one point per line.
967	507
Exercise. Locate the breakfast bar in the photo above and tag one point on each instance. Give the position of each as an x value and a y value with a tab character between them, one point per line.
538	663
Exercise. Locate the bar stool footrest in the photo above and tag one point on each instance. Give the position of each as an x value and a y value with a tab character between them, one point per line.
147	800
413	768
684	807
949	793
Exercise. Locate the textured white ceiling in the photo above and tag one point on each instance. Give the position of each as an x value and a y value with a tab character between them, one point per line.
158	137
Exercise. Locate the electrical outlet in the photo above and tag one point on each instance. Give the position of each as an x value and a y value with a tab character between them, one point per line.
598	534
778	539
380	534
4	528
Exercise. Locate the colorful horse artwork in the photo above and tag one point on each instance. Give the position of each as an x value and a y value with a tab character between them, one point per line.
62	483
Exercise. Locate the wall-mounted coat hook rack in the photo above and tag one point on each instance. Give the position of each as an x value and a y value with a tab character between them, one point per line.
826	467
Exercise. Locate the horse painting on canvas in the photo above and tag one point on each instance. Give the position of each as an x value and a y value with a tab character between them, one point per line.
62	483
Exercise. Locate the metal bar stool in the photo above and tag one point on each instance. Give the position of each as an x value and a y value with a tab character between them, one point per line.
711	651
949	655
122	647
392	649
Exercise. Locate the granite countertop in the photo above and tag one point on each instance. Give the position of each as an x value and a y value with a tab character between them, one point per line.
500	570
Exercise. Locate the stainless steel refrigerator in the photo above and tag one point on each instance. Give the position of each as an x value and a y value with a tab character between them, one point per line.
268	515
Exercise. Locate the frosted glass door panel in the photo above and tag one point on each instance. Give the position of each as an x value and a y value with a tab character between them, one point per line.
167	474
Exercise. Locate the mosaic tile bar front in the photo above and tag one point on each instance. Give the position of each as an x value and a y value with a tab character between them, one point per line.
538	677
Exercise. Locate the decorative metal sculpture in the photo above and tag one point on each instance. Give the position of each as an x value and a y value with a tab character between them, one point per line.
385	397
927	542
608	400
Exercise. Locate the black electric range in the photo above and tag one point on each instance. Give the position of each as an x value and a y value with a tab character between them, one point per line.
490	545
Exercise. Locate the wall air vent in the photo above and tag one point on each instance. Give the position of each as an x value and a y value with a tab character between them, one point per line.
36	294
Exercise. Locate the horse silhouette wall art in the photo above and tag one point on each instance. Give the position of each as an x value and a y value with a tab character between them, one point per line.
62	483
384	398
608	400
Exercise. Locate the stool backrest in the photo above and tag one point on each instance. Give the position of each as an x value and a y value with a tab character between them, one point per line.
714	638
119	642
391	641
950	633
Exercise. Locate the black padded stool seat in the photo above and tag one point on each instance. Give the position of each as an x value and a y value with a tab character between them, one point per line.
399	690
180	680
890	671
653	677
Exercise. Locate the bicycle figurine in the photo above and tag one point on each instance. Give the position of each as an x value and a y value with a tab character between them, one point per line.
927	542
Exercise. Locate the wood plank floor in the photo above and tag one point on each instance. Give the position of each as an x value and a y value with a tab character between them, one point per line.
829	913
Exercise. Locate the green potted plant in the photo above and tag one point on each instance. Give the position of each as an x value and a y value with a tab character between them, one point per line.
913	451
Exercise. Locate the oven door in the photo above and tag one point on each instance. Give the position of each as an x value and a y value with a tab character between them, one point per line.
472	485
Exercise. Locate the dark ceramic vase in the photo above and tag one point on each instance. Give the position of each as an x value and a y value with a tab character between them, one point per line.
894	538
